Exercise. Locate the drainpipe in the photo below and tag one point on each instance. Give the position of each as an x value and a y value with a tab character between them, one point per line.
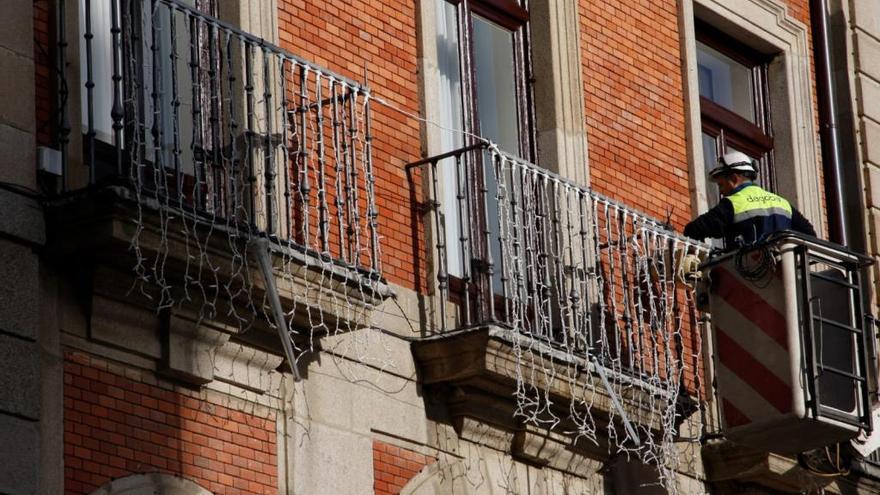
835	196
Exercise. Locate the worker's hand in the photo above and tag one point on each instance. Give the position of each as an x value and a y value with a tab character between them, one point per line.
689	267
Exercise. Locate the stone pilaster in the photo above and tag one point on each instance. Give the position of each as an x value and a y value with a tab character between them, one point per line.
21	230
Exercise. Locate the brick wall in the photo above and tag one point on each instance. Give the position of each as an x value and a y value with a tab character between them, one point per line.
393	467
347	37
633	97
634	102
116	424
634	106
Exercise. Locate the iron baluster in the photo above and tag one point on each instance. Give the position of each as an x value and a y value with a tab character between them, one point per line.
354	205
175	108
584	295
90	91
197	131
442	271
504	229
305	187
558	289
116	112
487	232
338	157
249	132
464	222
637	279
322	178
156	99
623	255
232	126
345	134
544	238
269	156
214	122
517	233
372	209
599	274
530	222
285	143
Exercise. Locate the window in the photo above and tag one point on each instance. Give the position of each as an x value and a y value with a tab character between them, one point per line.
484	90
135	60
481	51
734	104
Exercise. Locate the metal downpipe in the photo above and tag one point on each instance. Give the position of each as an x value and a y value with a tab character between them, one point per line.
835	196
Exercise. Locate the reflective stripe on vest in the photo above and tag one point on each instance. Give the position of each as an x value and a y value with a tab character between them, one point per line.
752	201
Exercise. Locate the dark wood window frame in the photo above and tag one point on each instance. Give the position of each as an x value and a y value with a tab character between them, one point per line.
726	126
510	15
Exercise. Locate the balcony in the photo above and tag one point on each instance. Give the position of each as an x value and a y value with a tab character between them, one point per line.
186	146
570	308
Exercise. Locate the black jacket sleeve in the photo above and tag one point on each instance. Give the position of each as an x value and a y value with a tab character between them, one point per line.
799	223
713	223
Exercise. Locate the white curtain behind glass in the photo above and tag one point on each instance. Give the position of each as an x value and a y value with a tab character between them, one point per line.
450	117
102	75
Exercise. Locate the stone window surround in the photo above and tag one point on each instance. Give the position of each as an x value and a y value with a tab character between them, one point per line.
766	26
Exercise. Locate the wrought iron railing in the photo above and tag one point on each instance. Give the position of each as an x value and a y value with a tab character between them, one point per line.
205	118
519	246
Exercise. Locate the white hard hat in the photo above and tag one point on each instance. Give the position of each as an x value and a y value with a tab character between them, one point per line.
734	162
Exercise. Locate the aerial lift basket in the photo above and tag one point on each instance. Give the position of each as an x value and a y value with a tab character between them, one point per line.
789	343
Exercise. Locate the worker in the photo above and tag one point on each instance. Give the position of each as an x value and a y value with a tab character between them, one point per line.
746	213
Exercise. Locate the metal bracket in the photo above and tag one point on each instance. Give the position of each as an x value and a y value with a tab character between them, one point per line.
275	301
630	431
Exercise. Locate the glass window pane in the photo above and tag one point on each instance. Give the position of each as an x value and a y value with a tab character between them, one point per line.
725	81
710	161
450	118
496	90
496	112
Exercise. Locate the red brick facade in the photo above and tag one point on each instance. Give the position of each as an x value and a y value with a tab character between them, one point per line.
393	467
634	105
634	101
378	36
116	425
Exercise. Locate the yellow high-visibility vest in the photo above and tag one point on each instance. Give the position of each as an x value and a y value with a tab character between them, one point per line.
758	213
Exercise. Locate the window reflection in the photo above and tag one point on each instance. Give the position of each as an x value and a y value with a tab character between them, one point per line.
496	93
725	81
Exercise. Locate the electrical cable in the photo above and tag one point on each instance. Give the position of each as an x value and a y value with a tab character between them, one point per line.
755	270
804	457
